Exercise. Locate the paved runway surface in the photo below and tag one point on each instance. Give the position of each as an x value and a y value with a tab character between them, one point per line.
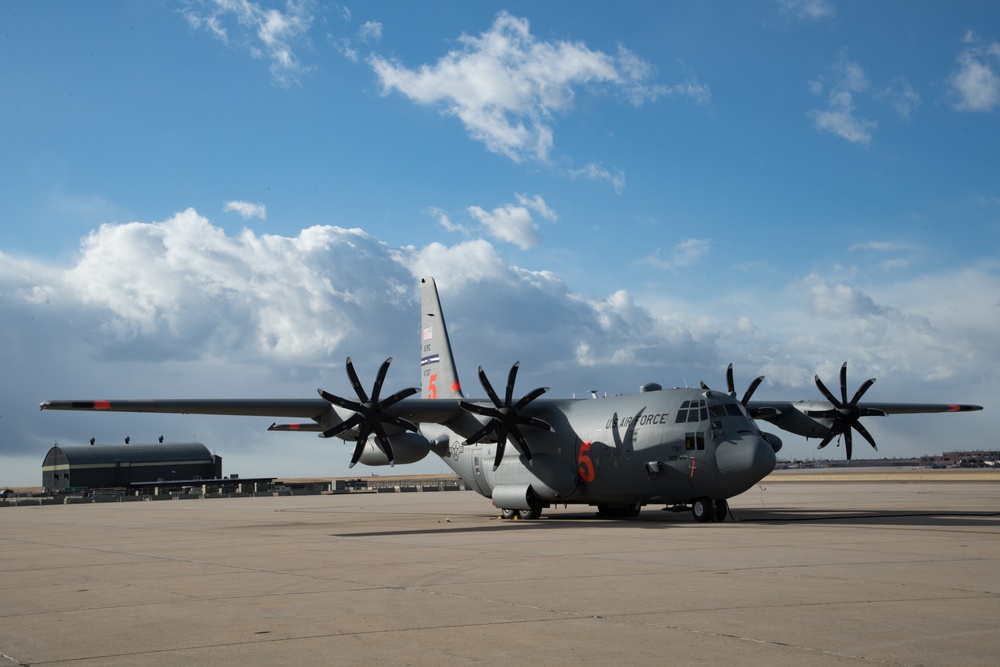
841	573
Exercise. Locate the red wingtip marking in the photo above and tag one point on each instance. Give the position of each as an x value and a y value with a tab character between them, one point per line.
294	427
102	405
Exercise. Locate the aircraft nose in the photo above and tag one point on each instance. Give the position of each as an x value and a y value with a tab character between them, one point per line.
745	461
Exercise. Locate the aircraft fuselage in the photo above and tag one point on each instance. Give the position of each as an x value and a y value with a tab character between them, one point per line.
658	446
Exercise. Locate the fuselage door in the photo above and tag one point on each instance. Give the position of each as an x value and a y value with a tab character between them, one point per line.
478	472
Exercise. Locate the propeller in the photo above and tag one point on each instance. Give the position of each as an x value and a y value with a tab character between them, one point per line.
846	415
750	390
505	417
370	415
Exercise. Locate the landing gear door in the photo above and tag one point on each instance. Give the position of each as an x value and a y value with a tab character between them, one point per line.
478	472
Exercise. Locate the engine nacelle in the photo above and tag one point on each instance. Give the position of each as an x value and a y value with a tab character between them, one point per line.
552	478
407	447
773	440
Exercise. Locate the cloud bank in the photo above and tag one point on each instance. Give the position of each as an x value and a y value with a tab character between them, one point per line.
181	308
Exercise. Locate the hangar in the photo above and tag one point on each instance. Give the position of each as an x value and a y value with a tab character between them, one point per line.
117	466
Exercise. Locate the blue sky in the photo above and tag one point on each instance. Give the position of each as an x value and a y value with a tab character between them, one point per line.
228	198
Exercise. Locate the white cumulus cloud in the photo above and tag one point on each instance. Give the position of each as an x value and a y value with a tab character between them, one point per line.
975	83
515	223
246	209
506	86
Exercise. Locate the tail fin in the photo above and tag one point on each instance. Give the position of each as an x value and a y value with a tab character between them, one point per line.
439	379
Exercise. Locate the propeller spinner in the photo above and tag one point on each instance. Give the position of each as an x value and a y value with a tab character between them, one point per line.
370	415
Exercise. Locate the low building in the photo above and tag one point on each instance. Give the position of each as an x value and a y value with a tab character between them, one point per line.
119	466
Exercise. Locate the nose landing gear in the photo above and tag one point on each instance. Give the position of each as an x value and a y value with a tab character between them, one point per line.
705	510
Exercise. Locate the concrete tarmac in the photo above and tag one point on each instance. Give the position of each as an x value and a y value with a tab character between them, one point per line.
844	573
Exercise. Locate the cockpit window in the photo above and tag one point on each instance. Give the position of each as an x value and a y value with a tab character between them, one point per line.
692	411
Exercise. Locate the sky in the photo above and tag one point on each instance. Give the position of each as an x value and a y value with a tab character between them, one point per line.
227	198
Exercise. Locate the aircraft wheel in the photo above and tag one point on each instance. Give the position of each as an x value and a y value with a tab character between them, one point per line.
702	510
721	509
534	510
507	514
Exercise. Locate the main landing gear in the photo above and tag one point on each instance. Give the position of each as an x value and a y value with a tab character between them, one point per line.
706	509
530	514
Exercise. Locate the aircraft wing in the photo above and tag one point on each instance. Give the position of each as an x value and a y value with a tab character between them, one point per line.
825	420
414	409
835	417
313	408
771	410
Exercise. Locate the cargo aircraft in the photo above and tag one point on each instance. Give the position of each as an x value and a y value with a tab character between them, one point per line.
682	447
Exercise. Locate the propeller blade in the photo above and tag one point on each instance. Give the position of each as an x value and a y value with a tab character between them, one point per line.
369	414
843	383
731	386
846	416
538	423
751	389
511	376
383	440
826	441
865	434
380	378
522	443
502	433
404	424
501	445
355	382
478	409
505	416
481	433
345	403
359	448
398	396
861	390
483	380
345	425
826	392
530	396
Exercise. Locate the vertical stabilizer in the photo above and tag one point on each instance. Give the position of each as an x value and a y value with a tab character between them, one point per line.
439	379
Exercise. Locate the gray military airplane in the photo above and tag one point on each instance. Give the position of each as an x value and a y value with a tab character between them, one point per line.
682	447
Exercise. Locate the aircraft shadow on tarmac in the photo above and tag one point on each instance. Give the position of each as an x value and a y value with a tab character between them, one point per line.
660	520
901	518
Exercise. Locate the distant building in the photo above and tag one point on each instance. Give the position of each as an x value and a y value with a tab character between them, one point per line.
118	466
